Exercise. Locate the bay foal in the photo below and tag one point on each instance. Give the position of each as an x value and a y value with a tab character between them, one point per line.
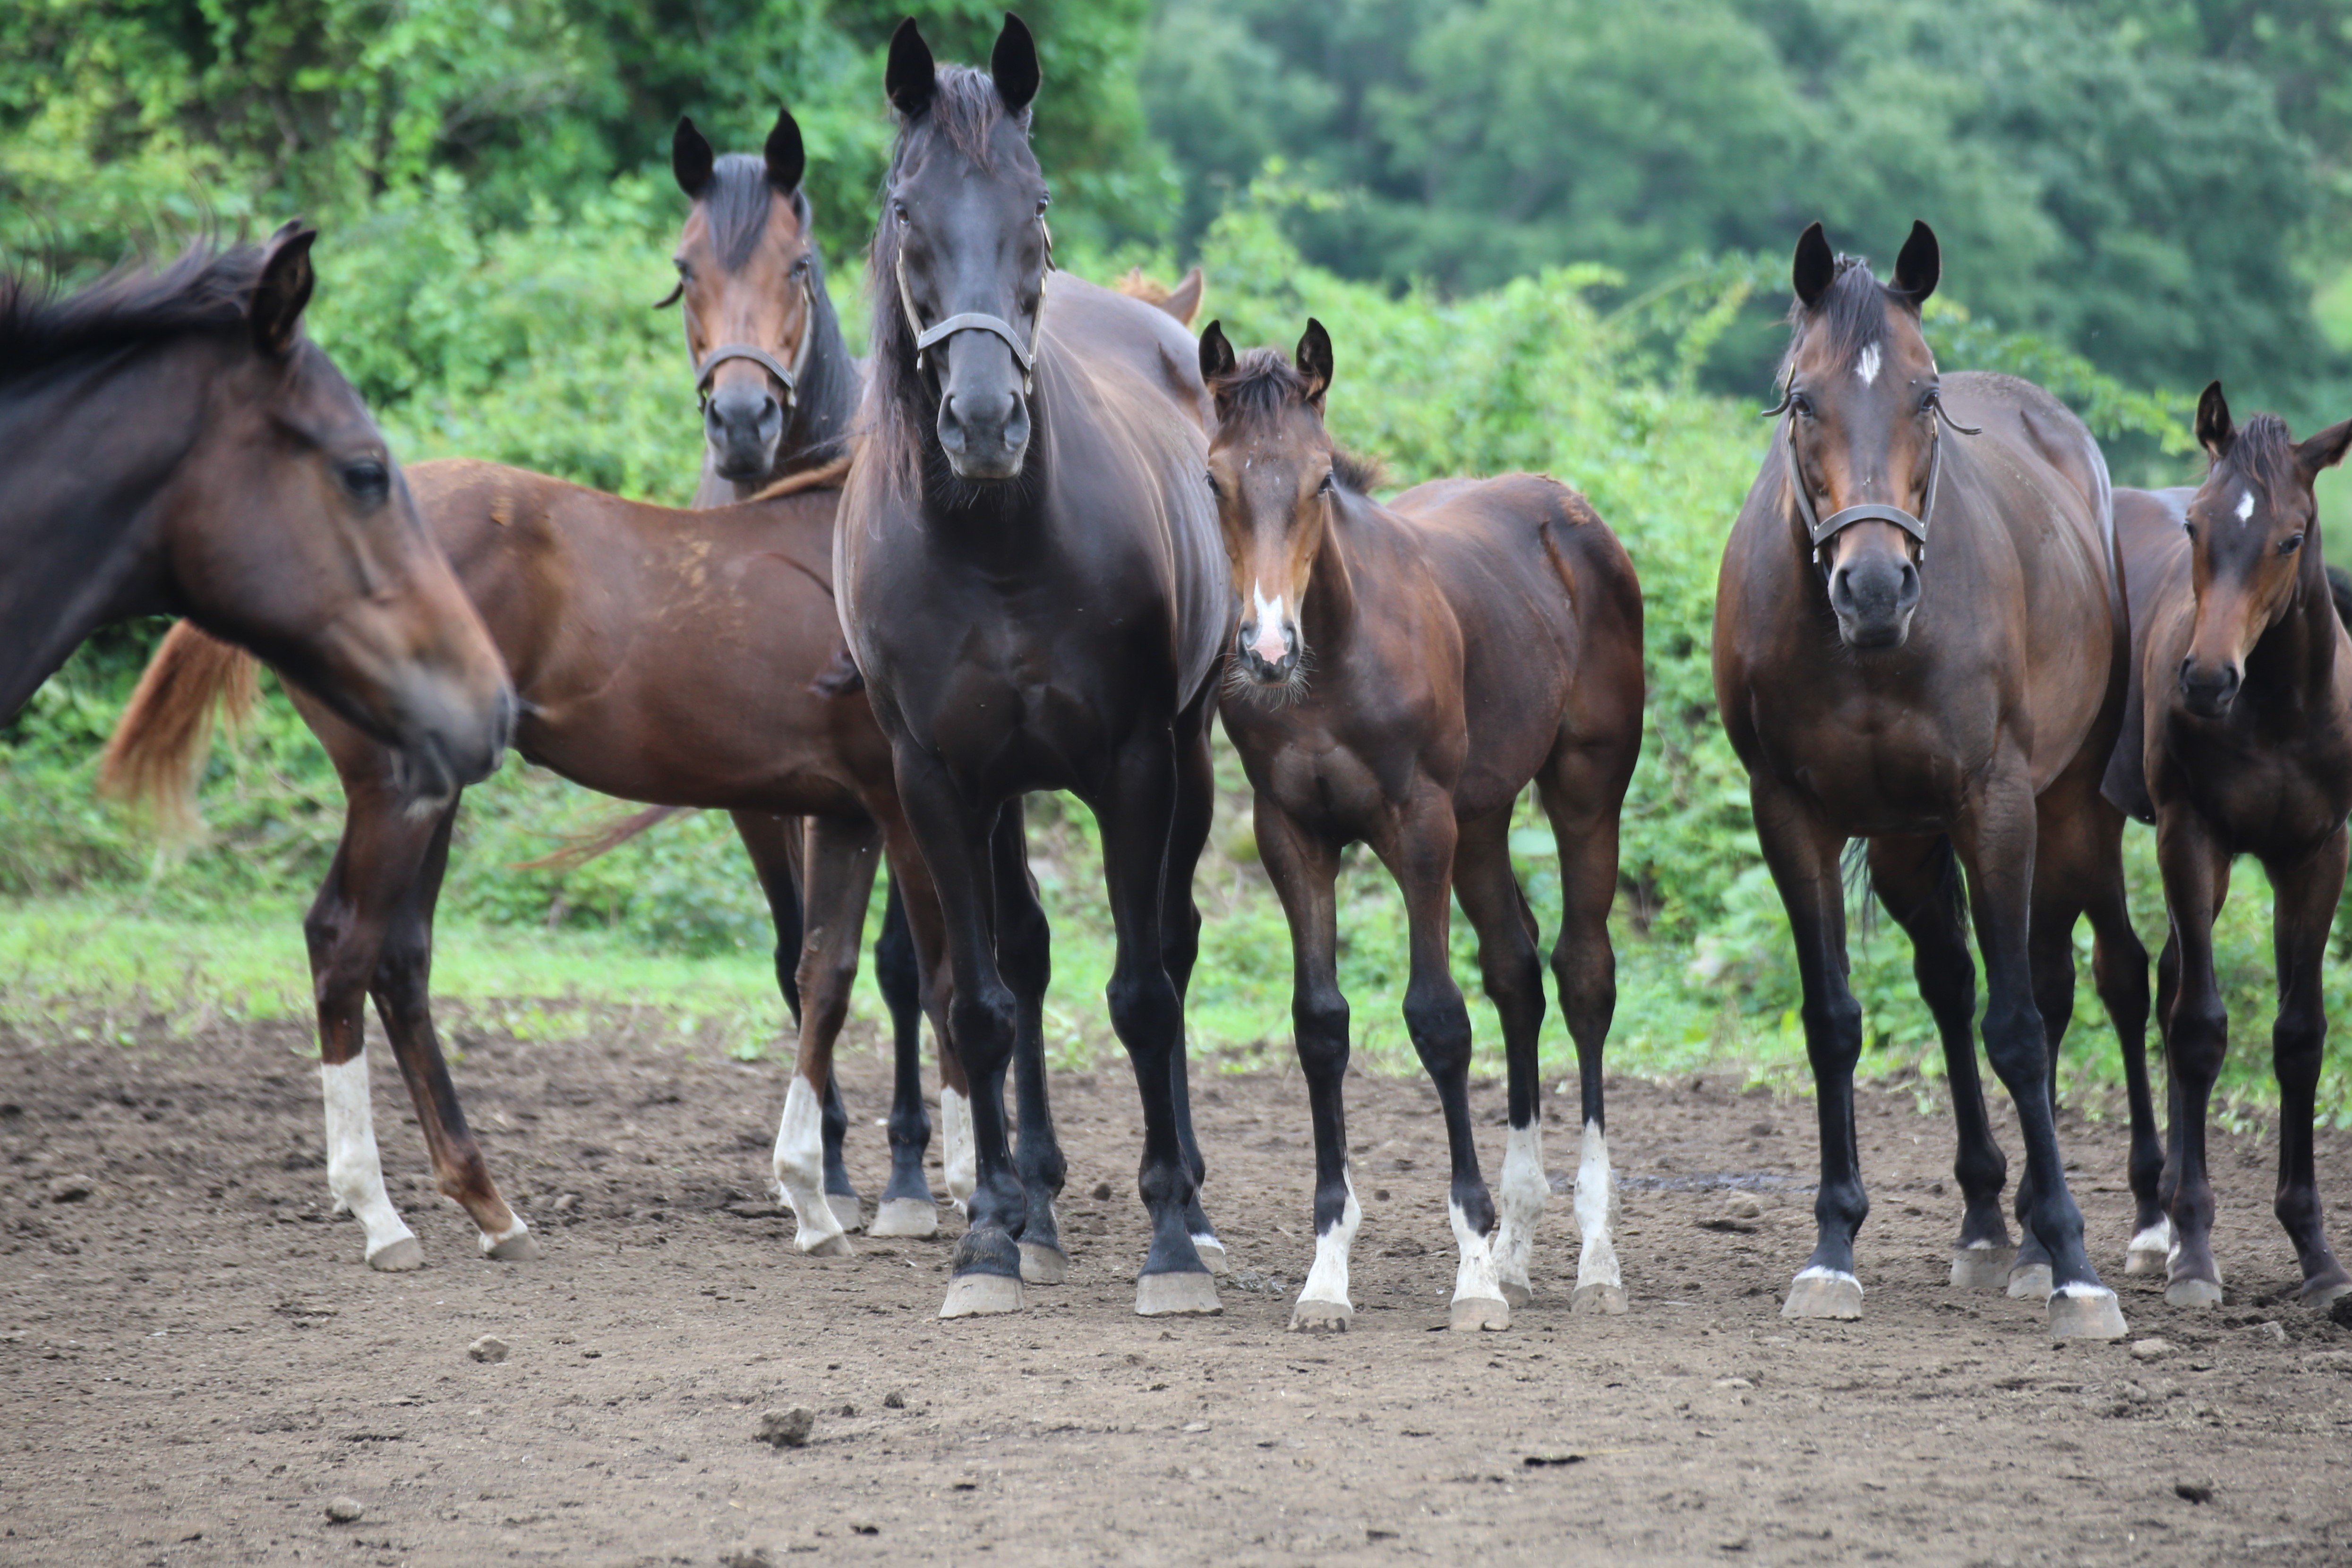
2240	742
1030	579
1401	674
1919	640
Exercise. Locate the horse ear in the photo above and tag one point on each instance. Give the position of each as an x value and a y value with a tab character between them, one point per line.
274	310
1013	63
1313	359
2325	450
1920	265
913	75
2215	431
1184	301
1816	266
787	159
1216	354
690	158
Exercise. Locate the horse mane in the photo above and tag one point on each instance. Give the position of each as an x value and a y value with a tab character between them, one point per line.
1853	312
1261	386
207	288
736	203
966	109
834	474
2262	453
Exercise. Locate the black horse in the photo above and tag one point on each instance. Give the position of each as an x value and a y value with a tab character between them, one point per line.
1030	576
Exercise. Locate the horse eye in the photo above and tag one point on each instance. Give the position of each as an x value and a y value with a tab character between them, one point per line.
1330	483
1043	203
2290	544
2191	529
1801	404
899	208
367	479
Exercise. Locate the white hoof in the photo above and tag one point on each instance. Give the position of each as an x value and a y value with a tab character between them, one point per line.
2192	1293
1321	1317
1471	1315
1601	1301
2029	1282
1823	1293
397	1257
1516	1295
846	1212
834	1246
2151	1251
2085	1312
1042	1265
1213	1255
1981	1266
981	1295
905	1217
1165	1295
521	1247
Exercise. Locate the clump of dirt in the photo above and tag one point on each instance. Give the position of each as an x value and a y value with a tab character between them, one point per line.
197	1367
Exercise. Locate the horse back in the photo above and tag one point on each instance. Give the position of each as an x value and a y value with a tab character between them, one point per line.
1101	324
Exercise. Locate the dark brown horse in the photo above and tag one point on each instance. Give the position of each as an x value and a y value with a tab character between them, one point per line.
171	441
1031	582
1401	675
2240	742
1919	640
687	658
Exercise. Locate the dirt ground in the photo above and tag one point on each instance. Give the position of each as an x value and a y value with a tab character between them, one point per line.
193	1362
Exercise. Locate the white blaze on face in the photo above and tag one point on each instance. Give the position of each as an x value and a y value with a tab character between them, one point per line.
1866	366
2245	505
958	1160
1524	1191
1327	1279
1269	644
800	1166
355	1169
1595	1207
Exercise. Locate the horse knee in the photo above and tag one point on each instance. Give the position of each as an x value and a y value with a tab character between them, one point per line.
1834	1032
1319	1021
1439	1026
2015	1041
2200	1035
2297	1039
1142	1009
983	1024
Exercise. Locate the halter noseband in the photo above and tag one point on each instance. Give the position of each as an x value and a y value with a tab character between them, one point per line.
788	379
1820	530
1023	354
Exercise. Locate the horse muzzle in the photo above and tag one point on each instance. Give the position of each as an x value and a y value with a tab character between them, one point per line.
2208	690
1268	652
742	423
1873	599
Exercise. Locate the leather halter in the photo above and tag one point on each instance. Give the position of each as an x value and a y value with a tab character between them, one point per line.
788	379
1023	354
1820	530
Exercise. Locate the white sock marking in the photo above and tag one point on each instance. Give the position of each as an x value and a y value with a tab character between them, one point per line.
2157	1237
800	1166
2081	1289
1327	1279
492	1243
1269	644
355	1169
1474	1278
957	1159
1866	366
1596	1206
1818	1272
1525	1192
2245	505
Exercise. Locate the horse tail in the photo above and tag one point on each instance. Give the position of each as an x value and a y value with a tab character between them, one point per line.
159	745
2339	587
585	847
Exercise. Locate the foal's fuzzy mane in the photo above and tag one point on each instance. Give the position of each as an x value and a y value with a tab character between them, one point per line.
205	289
1261	387
1852	314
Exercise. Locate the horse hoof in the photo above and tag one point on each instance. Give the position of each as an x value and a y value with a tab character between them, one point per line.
1321	1317
1824	1294
2029	1281
2143	1260
2325	1292
522	1249
2192	1293
981	1295
1165	1295
1473	1313
1601	1301
1981	1268
834	1246
907	1216
398	1257
845	1209
1043	1265
1516	1295
1213	1255
2085	1312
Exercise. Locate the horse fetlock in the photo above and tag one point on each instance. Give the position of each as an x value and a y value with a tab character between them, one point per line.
355	1169
799	1166
959	1163
1477	1285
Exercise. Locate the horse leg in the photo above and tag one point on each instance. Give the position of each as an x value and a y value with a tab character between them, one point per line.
1995	837
2049	959
403	985
1196	802
1918	884
841	856
1304	872
1024	954
774	844
906	1208
1420	854
378	859
1512	972
1802	852
911	878
2119	971
1584	804
1138	814
954	836
2307	895
2168	992
2197	1039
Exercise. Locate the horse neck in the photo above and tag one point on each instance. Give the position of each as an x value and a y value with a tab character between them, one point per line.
2294	663
1329	607
83	540
826	403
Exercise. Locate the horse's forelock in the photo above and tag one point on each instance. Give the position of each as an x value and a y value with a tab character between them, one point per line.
2261	453
1850	316
736	203
1262	386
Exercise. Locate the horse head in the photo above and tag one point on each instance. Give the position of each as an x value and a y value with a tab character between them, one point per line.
746	275
2253	532
1860	396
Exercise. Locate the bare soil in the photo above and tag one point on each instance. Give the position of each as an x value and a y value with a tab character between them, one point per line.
195	1364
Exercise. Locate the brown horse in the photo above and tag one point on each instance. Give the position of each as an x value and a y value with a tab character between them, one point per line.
1919	640
1470	638
171	441
2240	742
687	658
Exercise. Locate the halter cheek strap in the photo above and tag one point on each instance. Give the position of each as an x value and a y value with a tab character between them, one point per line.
788	379
1820	530
1024	354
